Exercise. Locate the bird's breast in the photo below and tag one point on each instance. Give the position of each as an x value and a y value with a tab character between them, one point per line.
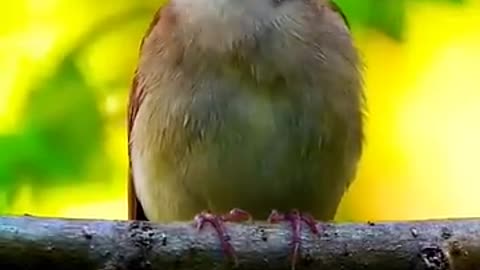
218	147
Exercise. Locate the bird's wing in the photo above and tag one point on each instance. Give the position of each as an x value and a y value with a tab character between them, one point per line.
332	8
335	7
137	93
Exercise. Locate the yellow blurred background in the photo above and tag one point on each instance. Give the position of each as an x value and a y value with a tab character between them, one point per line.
423	126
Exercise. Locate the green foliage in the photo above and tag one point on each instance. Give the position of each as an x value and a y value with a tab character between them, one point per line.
62	127
386	16
58	137
71	126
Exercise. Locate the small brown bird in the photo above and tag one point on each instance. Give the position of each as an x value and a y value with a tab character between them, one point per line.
249	105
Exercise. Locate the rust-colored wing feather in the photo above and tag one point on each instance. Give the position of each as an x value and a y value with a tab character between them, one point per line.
137	94
135	210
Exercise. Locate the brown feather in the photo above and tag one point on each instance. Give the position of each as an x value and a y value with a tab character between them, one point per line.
137	94
135	210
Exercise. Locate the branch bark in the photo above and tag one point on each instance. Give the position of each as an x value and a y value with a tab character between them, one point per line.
36	243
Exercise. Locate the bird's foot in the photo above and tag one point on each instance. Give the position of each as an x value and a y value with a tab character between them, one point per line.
235	215
295	218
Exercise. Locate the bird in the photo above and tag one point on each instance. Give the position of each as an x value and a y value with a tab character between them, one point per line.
244	110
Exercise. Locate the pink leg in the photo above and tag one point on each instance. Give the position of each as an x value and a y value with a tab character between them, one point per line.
235	215
295	218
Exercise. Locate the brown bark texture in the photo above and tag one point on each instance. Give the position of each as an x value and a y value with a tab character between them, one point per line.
57	243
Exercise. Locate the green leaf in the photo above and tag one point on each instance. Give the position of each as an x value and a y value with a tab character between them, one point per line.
62	130
386	16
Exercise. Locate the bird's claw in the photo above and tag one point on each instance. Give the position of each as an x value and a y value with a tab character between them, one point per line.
235	215
295	218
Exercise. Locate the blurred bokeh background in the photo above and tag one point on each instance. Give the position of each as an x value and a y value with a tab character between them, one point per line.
65	72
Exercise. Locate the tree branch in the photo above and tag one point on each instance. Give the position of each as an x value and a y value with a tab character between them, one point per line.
36	243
